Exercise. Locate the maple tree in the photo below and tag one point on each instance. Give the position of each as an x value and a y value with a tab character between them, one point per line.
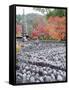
18	30
57	27
54	28
39	27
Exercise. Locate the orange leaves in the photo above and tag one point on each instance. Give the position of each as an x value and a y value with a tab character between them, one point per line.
57	20
35	33
54	27
39	28
57	27
18	30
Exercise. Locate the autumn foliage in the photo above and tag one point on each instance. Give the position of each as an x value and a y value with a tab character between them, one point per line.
18	30
39	28
55	27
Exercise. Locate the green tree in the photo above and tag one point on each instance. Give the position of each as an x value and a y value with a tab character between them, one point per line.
18	18
56	12
51	12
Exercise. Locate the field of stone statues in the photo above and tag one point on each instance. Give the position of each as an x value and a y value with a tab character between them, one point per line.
43	61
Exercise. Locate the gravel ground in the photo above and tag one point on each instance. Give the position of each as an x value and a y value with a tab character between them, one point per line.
41	62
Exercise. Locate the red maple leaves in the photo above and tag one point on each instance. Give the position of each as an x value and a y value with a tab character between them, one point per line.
54	28
18	30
